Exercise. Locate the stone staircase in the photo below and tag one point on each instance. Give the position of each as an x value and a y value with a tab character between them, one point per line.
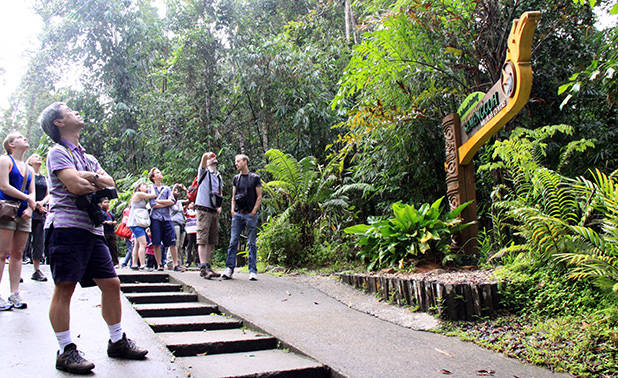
212	344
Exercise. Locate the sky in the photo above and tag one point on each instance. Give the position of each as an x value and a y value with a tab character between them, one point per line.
19	26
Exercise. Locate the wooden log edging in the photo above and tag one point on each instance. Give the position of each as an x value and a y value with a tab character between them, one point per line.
451	301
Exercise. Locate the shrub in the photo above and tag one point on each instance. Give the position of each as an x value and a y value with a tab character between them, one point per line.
281	242
411	232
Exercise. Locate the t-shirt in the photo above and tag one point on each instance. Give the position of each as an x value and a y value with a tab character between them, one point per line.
191	222
177	213
108	229
245	191
163	193
63	211
40	186
203	193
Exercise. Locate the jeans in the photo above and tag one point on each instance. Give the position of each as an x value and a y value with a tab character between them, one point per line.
128	258
180	239
164	252
239	222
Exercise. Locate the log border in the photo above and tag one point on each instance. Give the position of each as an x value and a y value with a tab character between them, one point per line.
451	301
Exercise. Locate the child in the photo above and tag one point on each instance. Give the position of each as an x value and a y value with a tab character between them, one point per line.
151	262
191	229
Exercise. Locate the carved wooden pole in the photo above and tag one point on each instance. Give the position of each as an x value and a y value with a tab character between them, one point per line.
460	185
485	118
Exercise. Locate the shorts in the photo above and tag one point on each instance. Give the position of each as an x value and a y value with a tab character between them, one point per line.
162	231
77	255
20	224
137	231
207	227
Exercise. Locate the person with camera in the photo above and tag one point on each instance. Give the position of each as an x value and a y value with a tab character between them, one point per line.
208	208
17	195
161	225
246	200
74	238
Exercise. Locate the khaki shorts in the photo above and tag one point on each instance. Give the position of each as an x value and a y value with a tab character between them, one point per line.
21	224
207	227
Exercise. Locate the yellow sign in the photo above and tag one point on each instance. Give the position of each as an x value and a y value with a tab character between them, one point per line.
508	96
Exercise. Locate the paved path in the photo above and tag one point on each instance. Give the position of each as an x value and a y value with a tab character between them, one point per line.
29	345
302	315
302	312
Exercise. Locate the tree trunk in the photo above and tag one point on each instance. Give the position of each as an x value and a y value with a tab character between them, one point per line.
31	116
350	25
346	11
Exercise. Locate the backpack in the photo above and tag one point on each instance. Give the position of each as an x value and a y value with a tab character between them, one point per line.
192	190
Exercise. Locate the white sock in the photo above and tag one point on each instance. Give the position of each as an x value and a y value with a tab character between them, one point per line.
115	332
64	339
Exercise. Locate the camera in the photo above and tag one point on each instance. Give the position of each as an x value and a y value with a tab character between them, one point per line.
90	204
242	200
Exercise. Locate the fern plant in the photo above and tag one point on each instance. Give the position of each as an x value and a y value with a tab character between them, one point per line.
559	219
597	253
306	197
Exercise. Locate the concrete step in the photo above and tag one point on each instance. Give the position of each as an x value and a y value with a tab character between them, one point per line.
150	287
139	276
263	363
152	310
140	298
194	343
193	323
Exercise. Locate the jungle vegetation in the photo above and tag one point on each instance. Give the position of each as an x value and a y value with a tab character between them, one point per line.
338	103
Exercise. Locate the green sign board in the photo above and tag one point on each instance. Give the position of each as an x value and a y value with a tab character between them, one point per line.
469	103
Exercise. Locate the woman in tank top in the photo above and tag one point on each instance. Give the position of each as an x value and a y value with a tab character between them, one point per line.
138	201
14	233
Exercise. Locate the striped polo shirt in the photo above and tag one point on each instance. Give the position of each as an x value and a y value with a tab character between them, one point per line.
63	211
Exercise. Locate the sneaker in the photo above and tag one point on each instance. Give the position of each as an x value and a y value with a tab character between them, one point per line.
213	274
4	305
252	276
71	360
179	268
227	275
125	348
17	302
160	268
204	270
38	276
169	265
135	268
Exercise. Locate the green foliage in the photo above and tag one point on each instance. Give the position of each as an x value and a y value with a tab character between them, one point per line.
281	241
558	219
534	289
306	206
410	233
599	74
596	255
414	47
581	345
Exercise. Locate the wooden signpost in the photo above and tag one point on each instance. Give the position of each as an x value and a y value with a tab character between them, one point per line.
499	105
